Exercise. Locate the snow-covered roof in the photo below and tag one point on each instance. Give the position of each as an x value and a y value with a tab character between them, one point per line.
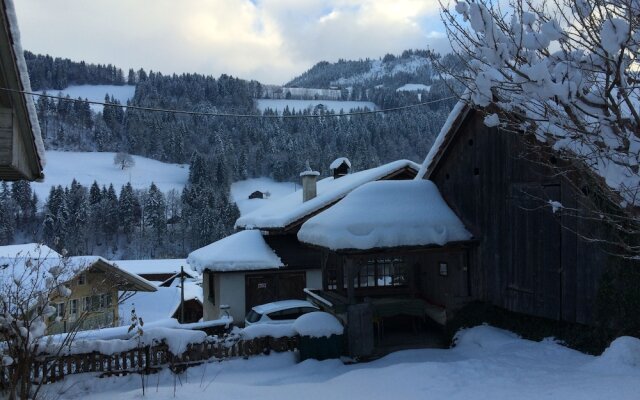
23	73
457	113
338	161
28	250
161	304
242	251
161	266
126	280
291	208
386	214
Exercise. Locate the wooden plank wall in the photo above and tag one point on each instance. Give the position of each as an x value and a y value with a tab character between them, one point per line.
489	179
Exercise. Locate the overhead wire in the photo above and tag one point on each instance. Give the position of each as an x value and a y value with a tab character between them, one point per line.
228	115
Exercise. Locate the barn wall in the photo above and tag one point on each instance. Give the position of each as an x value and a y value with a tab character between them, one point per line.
525	262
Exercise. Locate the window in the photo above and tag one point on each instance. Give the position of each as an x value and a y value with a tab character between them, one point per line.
380	273
105	300
73	307
60	308
86	303
444	268
212	289
82	279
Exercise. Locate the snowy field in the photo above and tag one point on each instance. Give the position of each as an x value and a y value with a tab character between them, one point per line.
280	104
96	93
413	87
487	363
241	190
63	166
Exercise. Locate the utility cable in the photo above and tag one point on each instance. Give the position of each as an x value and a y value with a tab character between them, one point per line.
229	115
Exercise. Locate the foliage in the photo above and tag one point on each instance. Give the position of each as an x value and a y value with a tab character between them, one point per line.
27	284
566	72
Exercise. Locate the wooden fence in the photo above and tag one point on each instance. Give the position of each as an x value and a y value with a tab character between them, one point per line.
147	359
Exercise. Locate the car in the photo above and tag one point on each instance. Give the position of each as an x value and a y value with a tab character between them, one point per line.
278	312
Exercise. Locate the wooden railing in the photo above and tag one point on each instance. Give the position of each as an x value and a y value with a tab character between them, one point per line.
149	359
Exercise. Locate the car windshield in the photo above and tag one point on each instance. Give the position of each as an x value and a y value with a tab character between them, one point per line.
253	316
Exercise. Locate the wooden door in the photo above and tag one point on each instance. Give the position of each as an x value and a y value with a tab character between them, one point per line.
534	274
269	287
260	289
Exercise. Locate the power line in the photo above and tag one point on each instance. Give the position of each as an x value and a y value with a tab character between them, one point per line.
216	114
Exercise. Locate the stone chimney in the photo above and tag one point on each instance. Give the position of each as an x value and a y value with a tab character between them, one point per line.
340	167
309	178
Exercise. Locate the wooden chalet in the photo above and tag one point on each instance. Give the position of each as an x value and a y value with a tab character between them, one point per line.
260	280
21	147
525	254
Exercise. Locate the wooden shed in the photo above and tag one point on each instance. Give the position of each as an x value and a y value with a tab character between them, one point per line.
21	147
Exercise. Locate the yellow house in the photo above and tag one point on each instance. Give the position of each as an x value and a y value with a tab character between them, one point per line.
93	286
96	290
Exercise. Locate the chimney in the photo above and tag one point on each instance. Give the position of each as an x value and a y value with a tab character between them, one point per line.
340	167
308	183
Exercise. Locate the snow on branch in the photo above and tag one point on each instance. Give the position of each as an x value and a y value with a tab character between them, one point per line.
567	71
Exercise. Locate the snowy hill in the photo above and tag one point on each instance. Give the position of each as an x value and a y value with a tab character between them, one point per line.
122	93
410	67
241	190
63	166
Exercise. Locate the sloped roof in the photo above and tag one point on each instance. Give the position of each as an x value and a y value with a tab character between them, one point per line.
455	118
159	266
242	251
386	214
161	304
290	209
124	280
16	75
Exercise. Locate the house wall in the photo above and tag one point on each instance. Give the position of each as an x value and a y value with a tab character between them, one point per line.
230	289
93	317
526	260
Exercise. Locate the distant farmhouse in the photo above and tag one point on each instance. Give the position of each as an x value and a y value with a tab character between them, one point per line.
21	147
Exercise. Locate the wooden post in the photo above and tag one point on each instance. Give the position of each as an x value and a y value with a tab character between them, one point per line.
351	292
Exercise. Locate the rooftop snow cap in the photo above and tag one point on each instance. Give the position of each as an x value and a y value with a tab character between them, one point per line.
309	177
340	167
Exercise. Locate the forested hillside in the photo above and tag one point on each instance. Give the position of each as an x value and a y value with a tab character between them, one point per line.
222	150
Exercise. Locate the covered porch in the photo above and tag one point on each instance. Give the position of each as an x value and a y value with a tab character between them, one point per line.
395	264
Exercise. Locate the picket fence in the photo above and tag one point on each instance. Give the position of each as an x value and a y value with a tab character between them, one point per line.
149	359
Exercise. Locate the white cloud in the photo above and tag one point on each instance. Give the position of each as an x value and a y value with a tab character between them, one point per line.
268	40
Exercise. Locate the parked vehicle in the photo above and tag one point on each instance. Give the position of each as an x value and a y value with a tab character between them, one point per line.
278	312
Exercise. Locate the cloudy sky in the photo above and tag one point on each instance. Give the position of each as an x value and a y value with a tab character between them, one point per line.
268	40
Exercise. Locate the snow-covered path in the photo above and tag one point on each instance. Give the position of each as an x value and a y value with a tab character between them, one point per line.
487	364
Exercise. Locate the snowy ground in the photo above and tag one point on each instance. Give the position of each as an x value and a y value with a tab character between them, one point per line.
96	93
487	364
63	166
241	190
280	104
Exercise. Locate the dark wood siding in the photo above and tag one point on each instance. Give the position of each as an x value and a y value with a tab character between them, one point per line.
273	286
526	260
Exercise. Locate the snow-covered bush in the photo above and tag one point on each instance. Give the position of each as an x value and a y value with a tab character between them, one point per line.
568	72
28	282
